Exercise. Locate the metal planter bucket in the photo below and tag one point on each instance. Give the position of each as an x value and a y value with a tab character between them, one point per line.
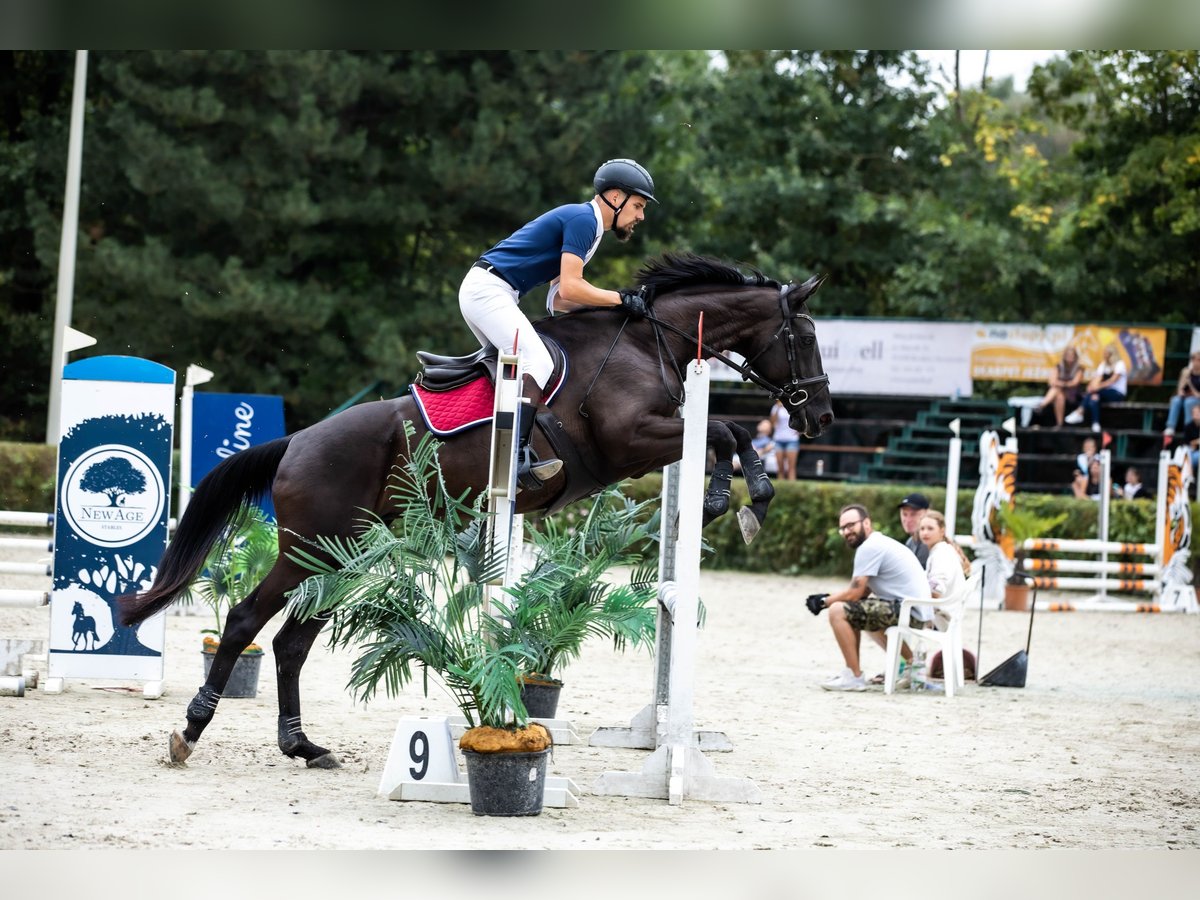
507	784
243	680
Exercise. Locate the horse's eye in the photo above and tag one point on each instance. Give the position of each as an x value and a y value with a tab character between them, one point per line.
807	340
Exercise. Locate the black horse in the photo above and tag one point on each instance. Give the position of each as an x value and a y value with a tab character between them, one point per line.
616	417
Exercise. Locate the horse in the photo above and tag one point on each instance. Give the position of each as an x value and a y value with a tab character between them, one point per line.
615	417
82	628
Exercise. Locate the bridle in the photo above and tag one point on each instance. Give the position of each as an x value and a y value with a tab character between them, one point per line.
795	393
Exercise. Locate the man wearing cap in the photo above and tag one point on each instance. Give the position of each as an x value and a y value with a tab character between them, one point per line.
911	508
552	248
884	573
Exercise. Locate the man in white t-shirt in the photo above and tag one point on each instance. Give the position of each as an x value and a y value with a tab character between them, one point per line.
885	572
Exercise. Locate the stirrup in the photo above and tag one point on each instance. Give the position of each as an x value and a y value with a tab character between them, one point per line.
532	473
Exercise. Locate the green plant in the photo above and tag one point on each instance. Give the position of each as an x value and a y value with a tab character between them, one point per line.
563	599
414	596
234	568
1022	525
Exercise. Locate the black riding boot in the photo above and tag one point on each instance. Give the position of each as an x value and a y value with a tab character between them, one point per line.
531	472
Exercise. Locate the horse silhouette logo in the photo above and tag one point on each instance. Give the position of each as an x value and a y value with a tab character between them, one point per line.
83	627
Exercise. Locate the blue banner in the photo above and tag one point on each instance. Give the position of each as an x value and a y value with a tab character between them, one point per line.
223	424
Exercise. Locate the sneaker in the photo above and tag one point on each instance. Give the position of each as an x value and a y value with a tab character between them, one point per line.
1168	431
845	680
1096	426
1074	418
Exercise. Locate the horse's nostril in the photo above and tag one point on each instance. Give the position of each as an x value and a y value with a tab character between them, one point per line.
826	420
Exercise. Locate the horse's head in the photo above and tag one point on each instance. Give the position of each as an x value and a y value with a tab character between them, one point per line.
77	609
762	320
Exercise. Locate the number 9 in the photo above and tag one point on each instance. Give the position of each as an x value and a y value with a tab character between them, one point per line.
418	752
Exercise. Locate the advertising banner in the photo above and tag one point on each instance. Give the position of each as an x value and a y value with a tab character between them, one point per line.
223	424
924	359
112	507
1017	352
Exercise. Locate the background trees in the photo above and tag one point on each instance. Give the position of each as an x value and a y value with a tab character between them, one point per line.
299	222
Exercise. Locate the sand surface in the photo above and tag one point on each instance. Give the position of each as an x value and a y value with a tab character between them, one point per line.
1099	750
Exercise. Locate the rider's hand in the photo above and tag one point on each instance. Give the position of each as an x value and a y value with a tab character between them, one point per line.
816	603
634	303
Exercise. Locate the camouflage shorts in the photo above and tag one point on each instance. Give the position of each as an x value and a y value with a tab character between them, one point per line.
874	614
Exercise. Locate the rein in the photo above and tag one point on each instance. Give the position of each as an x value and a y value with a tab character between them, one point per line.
795	393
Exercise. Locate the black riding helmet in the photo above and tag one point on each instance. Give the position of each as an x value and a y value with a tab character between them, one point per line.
626	175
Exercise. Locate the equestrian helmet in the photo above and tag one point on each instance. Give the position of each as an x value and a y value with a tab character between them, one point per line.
626	175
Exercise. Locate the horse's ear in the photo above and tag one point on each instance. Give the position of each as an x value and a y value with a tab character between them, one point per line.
802	292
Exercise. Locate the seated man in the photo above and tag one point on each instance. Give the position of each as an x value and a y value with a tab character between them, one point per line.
884	568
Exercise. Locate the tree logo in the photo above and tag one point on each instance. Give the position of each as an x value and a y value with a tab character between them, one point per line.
113	496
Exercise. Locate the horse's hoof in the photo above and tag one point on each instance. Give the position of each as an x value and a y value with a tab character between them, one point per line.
749	524
179	749
328	761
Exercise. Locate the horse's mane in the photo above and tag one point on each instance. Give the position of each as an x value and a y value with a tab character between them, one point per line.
672	271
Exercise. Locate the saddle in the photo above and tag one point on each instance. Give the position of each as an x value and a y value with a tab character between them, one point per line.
455	393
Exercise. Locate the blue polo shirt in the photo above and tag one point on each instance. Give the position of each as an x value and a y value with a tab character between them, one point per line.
531	256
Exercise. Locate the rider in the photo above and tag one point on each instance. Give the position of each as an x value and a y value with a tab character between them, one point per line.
553	248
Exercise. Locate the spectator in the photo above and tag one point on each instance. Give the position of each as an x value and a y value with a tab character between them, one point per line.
1063	393
1191	437
1133	484
1107	386
787	442
764	447
1187	396
948	567
1089	453
911	509
883	567
1086	485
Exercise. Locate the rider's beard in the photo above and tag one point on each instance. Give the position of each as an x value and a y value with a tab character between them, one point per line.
623	232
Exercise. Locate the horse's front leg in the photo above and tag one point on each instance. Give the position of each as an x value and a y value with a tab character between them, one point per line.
716	498
751	517
291	645
241	626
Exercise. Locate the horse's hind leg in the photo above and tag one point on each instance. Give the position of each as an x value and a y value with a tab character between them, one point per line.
244	622
716	498
291	646
751	517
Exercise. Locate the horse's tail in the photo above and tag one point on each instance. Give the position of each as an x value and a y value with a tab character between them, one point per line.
211	515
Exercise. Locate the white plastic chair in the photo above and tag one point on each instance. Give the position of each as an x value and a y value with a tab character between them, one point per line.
945	636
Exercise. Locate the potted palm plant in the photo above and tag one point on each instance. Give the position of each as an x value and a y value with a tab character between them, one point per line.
564	598
233	569
411	597
1019	526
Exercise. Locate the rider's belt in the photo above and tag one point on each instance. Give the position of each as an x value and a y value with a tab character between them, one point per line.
488	267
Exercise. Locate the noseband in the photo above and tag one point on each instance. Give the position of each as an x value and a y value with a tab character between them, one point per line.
795	394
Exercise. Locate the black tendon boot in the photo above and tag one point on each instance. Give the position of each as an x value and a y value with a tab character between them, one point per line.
531	472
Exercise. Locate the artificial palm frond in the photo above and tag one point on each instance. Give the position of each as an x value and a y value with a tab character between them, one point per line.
237	565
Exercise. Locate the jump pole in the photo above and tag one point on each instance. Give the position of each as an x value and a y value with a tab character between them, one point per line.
19	658
677	770
421	763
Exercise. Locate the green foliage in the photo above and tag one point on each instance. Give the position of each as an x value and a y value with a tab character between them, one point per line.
236	566
563	599
1022	525
27	476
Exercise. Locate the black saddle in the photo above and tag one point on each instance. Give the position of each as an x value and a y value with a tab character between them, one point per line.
444	373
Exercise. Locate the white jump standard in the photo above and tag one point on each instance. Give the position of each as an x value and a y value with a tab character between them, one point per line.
677	769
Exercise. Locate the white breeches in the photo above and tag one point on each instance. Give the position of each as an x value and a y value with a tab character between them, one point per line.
490	308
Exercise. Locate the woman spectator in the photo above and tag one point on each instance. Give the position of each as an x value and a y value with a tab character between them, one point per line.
787	442
1064	384
1108	386
1187	396
947	567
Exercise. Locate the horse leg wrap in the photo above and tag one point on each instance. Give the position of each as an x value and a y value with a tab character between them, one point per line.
716	498
294	742
204	704
757	481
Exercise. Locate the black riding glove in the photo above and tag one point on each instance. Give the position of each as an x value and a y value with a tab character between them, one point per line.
816	603
634	303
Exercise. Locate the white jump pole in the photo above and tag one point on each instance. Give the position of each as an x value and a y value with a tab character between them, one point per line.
64	297
953	462
196	375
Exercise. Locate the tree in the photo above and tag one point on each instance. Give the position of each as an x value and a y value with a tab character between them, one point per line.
114	477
